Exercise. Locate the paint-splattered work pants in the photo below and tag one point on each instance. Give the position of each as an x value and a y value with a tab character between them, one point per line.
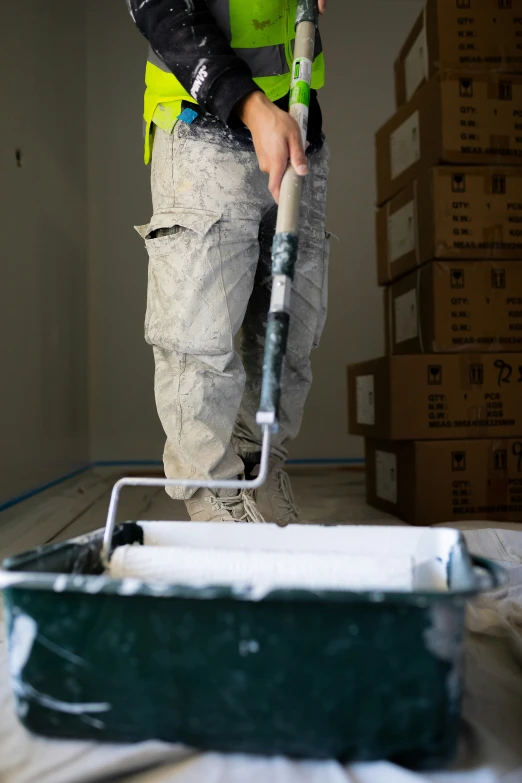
209	245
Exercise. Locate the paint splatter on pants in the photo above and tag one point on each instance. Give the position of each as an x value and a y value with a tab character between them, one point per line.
209	245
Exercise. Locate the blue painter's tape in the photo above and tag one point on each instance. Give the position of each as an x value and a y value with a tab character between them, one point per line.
188	116
159	463
147	463
347	461
128	463
36	491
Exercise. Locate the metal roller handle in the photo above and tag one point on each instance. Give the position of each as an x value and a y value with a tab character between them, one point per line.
190	483
286	239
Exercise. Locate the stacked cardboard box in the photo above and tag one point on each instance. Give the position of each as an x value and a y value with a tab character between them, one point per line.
442	412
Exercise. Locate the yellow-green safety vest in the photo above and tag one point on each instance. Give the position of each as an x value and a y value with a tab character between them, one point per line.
261	32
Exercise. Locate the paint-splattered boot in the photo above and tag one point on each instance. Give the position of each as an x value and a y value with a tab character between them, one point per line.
274	500
222	505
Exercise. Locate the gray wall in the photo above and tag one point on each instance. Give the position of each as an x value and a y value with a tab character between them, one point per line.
361	42
43	305
124	424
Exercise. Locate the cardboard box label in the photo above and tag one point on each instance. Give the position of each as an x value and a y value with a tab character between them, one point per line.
401	232
503	470
463	34
405	145
406	316
492	411
479	214
437	397
458	118
452	213
416	64
386	476
365	393
471	306
442	481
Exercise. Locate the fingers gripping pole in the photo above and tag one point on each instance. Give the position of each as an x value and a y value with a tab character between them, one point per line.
286	239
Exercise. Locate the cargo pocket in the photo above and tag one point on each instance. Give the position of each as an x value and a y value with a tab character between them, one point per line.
321	320
187	307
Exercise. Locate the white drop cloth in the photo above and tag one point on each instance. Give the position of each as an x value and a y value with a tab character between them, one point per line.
491	738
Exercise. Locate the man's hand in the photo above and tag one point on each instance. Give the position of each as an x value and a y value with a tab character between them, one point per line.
276	136
322	6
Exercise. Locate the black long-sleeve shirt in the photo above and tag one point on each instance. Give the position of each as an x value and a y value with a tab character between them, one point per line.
182	33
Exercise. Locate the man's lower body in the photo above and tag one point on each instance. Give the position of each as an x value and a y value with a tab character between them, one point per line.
209	244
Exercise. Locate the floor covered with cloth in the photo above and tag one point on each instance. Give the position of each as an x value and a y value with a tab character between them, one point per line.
491	737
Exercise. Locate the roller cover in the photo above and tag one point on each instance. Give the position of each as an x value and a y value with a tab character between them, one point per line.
263	570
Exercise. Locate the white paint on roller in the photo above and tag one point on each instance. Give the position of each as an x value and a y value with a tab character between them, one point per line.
261	572
259	559
347	539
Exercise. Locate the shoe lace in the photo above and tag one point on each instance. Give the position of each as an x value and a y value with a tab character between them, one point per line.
290	506
251	514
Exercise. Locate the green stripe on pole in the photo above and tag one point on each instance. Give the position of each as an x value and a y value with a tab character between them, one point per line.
300	93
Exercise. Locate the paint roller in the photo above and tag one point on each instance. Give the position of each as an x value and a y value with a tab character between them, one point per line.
261	570
171	563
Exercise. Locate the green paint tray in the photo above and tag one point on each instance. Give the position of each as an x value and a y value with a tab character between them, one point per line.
345	673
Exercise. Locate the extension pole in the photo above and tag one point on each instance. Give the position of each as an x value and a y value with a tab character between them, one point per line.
286	239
